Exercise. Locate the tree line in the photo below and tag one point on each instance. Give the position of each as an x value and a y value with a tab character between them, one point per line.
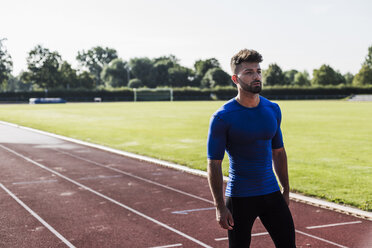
101	68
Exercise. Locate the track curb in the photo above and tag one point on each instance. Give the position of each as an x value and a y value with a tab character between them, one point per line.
294	196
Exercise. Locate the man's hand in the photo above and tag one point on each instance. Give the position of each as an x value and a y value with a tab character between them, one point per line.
224	217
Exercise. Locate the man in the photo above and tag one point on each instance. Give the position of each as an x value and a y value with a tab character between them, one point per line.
248	128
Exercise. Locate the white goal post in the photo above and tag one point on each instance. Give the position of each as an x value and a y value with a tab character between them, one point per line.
159	94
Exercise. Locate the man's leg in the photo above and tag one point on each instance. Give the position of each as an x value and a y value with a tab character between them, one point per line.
244	216
278	221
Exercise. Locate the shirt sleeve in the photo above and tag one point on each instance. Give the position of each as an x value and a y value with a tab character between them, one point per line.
277	140
216	143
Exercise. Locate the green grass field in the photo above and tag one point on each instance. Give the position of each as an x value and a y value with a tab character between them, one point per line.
329	143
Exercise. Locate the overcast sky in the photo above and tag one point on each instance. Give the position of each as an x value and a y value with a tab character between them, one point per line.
300	34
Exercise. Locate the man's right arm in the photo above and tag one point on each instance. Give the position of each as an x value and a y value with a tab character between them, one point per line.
215	180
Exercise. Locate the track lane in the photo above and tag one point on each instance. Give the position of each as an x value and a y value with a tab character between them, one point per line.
85	220
185	182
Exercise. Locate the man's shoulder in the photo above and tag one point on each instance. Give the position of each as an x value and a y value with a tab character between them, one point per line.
267	103
228	108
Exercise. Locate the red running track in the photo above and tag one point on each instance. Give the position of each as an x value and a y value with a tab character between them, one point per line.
54	193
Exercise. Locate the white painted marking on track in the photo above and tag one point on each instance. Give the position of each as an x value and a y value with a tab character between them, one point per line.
167	246
137	177
108	198
39	181
260	234
221	239
50	228
253	235
312	236
321	239
192	210
99	177
335	224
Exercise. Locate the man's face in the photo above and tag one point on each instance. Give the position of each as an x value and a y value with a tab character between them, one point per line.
249	77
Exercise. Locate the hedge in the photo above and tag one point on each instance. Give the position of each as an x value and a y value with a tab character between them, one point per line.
188	93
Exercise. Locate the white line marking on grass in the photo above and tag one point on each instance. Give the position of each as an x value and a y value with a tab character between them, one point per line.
108	198
63	239
335	224
192	210
167	246
321	239
137	177
40	181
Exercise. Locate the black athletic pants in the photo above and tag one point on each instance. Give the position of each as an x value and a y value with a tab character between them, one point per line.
274	215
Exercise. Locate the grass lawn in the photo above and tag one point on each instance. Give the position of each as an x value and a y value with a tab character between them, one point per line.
329	143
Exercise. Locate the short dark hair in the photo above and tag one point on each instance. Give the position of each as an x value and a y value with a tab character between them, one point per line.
245	55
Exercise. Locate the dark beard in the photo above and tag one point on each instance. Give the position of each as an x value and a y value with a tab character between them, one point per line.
251	88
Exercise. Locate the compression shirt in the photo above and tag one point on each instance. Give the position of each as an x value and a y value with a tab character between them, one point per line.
248	135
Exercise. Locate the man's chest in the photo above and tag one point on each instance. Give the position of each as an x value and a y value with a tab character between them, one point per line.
252	126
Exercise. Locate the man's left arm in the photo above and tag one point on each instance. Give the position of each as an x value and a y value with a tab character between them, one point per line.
281	170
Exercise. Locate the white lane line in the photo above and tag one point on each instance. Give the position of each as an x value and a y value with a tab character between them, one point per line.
221	239
137	177
335	224
253	235
108	198
312	236
99	177
39	181
167	246
192	210
259	234
321	239
63	239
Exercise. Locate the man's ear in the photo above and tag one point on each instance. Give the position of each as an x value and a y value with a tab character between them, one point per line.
234	79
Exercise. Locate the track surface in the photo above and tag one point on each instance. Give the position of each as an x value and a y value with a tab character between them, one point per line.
54	193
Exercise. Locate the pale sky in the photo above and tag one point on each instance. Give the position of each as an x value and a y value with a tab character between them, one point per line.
300	34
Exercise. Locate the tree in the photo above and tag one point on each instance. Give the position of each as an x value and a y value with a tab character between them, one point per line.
15	84
368	60
43	68
273	75
364	76
202	66
348	78
142	68
302	79
68	76
86	81
179	76
6	64
289	77
325	75
216	77
95	59
171	58
160	72
115	74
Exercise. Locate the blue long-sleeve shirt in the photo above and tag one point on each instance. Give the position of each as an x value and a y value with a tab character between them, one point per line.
248	135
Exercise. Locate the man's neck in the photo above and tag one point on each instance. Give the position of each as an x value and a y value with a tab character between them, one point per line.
248	99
